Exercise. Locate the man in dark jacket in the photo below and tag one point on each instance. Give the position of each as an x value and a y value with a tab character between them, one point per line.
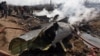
3	9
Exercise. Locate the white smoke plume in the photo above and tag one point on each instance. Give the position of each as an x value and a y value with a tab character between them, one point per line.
76	10
87	15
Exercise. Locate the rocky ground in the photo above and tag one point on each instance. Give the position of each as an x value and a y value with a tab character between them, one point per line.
79	49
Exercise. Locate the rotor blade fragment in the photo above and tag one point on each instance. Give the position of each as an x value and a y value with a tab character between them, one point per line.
30	35
34	33
94	41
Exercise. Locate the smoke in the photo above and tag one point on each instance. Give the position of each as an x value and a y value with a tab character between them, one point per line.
87	15
41	13
50	14
76	10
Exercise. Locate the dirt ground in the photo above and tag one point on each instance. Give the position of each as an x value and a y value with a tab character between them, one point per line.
8	34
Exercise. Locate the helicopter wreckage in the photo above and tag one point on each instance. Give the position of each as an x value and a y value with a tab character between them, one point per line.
49	35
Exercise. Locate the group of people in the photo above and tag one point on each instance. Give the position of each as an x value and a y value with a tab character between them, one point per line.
9	10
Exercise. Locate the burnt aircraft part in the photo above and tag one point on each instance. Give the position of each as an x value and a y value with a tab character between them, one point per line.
90	39
51	31
17	45
64	30
55	17
50	52
40	39
85	28
43	18
66	42
35	52
45	38
65	20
